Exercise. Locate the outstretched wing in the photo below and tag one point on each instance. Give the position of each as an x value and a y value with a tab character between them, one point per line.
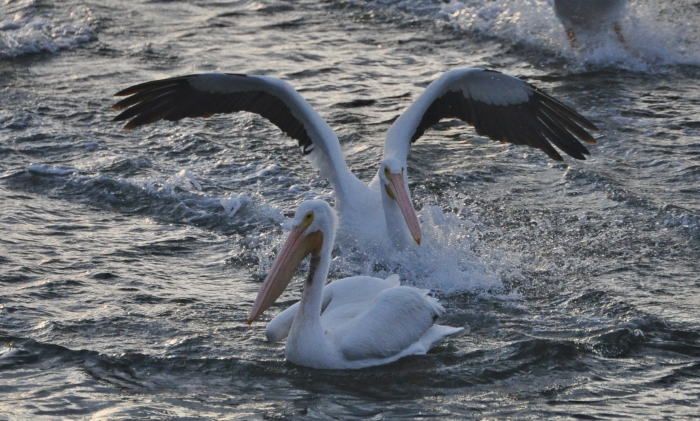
500	107
203	95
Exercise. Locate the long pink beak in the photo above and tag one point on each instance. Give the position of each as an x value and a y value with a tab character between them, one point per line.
400	194
295	249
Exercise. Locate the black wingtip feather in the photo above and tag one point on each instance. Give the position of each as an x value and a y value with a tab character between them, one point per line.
516	123
178	98
160	83
565	110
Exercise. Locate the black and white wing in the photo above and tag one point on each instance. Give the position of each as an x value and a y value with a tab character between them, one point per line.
500	107
203	95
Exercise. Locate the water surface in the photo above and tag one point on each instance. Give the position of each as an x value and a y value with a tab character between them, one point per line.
130	260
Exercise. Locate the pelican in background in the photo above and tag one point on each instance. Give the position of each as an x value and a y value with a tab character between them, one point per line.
501	107
363	321
587	15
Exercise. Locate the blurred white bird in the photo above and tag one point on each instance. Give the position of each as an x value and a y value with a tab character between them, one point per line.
589	16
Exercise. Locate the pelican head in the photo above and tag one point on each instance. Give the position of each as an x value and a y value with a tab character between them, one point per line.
313	227
393	178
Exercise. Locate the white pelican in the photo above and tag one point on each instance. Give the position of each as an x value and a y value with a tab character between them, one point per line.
588	14
358	322
499	106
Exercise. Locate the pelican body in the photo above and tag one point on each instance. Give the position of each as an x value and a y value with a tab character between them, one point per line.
587	15
355	322
501	107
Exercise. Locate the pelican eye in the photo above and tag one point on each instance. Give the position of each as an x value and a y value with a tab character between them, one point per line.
387	173
308	219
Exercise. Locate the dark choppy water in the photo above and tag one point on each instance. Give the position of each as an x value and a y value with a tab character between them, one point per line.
129	260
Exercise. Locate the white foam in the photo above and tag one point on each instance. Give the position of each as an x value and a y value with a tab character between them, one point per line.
233	203
656	33
24	33
49	170
270	169
451	257
185	179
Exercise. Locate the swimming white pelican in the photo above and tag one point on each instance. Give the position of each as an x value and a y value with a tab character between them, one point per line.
360	321
586	15
502	107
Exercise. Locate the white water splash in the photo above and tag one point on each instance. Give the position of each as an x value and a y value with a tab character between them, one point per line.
45	169
25	32
185	179
452	257
657	34
233	203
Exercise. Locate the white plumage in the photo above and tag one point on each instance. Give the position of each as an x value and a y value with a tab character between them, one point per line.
352	323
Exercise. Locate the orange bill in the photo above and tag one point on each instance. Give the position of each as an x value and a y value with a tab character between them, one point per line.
295	249
397	190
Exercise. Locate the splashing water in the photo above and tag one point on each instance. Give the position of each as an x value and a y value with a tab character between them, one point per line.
656	33
22	31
